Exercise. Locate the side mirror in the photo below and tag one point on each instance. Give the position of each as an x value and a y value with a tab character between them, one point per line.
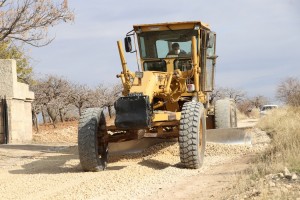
128	45
211	40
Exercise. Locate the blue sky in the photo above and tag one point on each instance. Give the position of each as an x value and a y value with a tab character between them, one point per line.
258	41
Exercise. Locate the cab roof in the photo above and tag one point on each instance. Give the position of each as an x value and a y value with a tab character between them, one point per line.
171	26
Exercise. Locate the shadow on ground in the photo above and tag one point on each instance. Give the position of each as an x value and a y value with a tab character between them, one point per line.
33	147
156	164
44	159
49	160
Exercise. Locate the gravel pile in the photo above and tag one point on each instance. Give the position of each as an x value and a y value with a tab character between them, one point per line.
260	141
56	173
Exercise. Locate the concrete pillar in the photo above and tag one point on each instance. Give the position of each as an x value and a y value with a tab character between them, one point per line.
19	100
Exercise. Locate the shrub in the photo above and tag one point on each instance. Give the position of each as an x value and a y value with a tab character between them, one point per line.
283	126
288	91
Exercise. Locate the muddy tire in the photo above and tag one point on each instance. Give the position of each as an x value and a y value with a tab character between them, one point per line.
192	135
225	114
91	148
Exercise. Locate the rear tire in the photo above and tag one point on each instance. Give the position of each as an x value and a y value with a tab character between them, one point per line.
91	148
225	114
192	135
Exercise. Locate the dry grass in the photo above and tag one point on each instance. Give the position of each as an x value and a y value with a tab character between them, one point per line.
254	114
240	115
283	125
247	187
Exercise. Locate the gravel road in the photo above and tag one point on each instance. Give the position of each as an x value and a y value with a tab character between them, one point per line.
54	172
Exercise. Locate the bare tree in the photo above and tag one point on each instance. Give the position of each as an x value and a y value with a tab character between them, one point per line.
288	91
81	96
106	96
243	102
36	109
236	94
28	20
113	94
52	94
245	106
248	104
259	100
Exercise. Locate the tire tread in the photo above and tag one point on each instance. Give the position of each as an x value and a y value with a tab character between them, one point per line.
191	155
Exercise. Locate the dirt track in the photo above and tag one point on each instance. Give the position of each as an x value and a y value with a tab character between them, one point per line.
53	172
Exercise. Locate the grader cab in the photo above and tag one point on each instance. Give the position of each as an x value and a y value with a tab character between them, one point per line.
167	97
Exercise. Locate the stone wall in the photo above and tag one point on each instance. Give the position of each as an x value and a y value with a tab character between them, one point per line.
19	100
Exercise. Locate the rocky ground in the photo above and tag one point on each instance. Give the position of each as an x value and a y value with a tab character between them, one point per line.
52	171
283	185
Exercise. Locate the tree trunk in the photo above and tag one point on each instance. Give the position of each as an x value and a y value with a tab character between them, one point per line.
44	117
35	121
109	111
61	116
52	116
79	110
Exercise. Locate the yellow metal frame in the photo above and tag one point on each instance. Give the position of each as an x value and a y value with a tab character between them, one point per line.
167	116
170	85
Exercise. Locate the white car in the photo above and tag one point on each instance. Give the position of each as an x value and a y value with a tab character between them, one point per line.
266	108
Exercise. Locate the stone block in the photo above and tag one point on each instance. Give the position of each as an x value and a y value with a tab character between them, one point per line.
20	116
19	100
9	86
21	91
8	74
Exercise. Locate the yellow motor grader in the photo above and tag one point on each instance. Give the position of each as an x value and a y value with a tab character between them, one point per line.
167	97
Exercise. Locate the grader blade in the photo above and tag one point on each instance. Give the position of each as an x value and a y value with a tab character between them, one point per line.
226	136
229	136
135	146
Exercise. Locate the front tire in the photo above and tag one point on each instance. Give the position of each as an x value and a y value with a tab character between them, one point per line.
91	148
225	114
192	135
